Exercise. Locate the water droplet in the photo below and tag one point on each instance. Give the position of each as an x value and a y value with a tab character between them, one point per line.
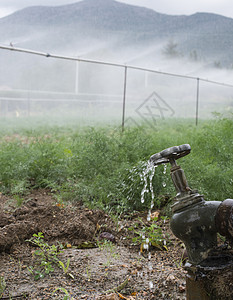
165	169
145	246
149	215
151	285
140	274
150	266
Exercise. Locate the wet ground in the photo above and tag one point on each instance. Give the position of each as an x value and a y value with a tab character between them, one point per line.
97	267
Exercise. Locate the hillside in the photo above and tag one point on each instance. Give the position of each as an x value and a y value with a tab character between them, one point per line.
117	25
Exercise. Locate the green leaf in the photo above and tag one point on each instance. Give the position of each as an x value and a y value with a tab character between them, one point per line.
39	276
2	285
86	245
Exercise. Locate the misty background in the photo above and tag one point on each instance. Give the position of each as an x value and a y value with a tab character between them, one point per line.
197	46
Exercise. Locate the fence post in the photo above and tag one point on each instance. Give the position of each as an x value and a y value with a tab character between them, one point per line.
77	77
28	103
197	101
124	98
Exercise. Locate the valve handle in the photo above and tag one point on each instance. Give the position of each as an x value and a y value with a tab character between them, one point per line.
170	154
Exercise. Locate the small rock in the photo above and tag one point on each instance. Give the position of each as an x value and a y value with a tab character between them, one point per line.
107	236
170	278
181	288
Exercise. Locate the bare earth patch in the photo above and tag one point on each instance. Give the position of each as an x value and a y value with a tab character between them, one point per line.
110	271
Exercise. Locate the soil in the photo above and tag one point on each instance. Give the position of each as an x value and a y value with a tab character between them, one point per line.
100	250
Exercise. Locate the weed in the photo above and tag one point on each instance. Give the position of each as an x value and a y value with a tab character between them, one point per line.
101	167
2	285
47	257
64	267
67	295
20	264
19	200
88	271
150	234
179	263
110	249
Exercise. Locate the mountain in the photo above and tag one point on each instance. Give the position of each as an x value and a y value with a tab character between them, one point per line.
116	26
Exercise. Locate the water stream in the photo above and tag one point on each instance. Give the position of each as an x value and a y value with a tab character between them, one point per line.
147	178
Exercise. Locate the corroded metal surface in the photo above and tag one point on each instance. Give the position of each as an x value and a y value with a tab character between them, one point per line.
195	226
224	219
196	222
211	280
171	153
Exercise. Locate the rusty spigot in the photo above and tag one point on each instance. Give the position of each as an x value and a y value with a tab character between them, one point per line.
195	221
170	155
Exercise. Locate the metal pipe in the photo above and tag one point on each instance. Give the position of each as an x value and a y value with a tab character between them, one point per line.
109	64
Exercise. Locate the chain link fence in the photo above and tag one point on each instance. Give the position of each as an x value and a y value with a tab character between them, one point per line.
45	86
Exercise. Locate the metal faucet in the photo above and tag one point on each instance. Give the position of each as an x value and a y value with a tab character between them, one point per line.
195	221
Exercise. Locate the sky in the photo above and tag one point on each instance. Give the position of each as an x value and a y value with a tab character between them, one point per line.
171	7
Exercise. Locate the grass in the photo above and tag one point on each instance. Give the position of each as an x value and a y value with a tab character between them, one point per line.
101	166
46	257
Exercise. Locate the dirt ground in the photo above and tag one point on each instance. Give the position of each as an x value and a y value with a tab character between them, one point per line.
98	268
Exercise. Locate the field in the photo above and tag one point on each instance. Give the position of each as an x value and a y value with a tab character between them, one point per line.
69	186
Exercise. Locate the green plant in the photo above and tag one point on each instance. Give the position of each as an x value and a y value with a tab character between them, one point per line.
67	295
64	267
88	271
179	263
2	285
151	234
46	257
110	249
101	167
19	200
